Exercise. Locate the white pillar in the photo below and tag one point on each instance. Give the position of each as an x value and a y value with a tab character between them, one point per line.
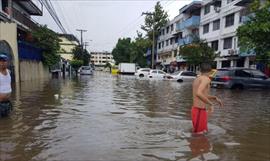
246	65
232	63
219	64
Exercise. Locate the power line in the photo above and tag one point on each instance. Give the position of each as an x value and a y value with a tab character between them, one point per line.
53	14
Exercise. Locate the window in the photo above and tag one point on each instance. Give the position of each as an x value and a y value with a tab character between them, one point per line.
162	44
163	31
171	41
229	1
242	73
214	45
172	27
168	29
207	9
189	74
167	42
227	43
161	72
154	72
258	74
159	45
176	40
229	20
216	25
206	28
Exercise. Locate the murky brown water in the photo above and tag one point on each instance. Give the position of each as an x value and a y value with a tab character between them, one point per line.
115	118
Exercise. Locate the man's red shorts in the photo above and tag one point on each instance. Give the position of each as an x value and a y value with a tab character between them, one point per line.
199	119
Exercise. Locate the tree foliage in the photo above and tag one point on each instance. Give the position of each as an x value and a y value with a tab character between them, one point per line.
254	34
158	19
76	64
48	41
127	51
122	50
198	52
79	55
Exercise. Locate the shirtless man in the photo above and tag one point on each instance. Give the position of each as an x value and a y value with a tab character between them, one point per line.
5	87
202	101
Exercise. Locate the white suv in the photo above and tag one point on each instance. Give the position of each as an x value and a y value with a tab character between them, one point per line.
142	72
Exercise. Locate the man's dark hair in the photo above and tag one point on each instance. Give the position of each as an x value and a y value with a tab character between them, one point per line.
206	67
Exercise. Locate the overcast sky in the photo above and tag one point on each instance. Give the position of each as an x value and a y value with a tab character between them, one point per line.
105	21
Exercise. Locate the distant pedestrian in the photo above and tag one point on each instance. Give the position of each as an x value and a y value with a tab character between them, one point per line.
202	101
5	87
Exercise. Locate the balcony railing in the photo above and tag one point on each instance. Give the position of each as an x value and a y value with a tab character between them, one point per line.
23	19
185	41
192	22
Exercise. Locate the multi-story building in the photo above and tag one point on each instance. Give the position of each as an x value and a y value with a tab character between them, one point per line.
219	22
100	59
180	31
67	44
15	27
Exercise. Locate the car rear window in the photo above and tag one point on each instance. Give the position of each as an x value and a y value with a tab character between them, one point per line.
222	73
86	68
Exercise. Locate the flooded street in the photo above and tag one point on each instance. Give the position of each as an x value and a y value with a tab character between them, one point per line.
115	118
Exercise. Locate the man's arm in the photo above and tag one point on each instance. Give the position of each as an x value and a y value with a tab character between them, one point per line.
200	94
216	99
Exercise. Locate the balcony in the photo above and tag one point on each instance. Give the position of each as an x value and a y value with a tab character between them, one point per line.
23	19
192	22
185	41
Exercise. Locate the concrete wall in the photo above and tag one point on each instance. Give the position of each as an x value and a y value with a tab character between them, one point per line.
31	70
8	33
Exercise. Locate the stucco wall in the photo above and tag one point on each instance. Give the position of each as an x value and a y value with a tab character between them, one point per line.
32	70
8	32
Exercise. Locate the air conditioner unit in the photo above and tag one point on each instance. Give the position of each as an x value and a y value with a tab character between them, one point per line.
231	52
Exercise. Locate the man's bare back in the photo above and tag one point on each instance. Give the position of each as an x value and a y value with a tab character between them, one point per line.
201	83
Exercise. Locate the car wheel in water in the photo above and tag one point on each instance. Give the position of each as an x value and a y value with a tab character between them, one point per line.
141	75
180	80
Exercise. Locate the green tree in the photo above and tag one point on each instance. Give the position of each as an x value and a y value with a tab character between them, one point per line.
121	53
47	40
198	52
79	55
253	34
138	49
158	19
76	64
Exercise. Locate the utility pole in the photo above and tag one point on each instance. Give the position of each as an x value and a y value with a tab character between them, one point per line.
81	31
153	44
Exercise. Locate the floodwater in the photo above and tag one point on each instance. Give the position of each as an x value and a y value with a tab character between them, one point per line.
121	118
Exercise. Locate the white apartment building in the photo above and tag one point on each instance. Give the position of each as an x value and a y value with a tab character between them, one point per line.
180	31
219	22
101	58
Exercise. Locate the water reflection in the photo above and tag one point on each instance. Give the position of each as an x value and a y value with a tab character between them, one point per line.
104	117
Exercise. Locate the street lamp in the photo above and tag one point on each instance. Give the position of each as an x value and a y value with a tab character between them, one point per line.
153	45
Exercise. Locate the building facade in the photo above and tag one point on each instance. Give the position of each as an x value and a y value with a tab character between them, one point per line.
219	22
100	59
182	30
67	44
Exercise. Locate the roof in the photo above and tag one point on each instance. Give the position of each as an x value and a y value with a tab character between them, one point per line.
195	5
70	37
30	7
243	2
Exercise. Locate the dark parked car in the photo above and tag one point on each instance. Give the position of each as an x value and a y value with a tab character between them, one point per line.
240	78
